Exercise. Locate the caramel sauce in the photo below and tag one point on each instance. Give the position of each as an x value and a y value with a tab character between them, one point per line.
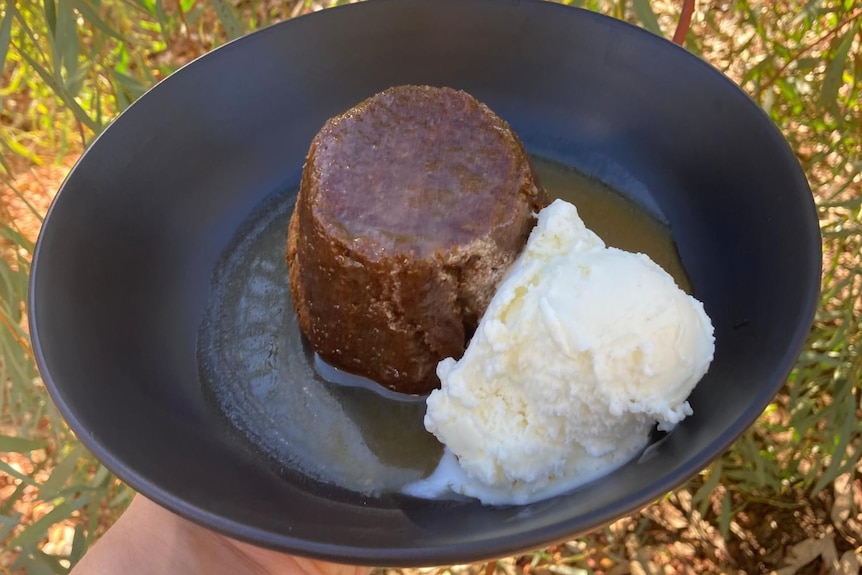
260	374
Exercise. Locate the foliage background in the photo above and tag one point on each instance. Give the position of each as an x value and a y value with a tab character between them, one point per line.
786	496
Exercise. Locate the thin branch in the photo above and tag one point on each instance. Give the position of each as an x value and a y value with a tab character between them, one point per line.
684	22
838	27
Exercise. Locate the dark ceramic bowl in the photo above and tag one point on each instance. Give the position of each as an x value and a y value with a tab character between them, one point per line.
158	278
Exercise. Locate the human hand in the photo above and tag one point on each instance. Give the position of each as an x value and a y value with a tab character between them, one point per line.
148	539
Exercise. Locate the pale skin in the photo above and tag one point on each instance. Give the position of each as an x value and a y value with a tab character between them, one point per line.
147	540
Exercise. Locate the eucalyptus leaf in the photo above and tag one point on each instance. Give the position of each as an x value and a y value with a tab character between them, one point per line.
79	544
228	19
725	516
124	496
34	565
38	529
148	6
840	463
92	16
21	150
645	14
701	496
10	232
61	473
810	10
7	504
7	524
51	561
832	80
6	33
66	38
162	19
75	82
12	472
61	93
134	87
20	444
101	477
50	15
567	570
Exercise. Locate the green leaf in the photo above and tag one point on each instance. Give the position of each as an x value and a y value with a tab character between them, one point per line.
163	20
124	495
852	203
61	474
101	476
21	150
5	34
92	16
16	331
122	98
832	80
725	516
79	545
96	105
93	524
20	444
36	531
148	73
51	16
6	507
839	463
51	561
3	164
122	56
807	64
21	240
36	564
147	6
126	89
12	472
701	497
133	87
810	10
60	92
75	82
228	20
567	570
67	41
7	524
645	14
28	32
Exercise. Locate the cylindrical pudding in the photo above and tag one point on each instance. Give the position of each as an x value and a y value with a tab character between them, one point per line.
412	206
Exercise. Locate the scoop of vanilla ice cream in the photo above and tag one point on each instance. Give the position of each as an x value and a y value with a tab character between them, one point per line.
581	351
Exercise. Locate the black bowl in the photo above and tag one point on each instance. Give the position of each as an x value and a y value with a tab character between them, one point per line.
124	269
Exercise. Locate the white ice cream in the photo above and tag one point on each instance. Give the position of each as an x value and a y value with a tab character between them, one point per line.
581	351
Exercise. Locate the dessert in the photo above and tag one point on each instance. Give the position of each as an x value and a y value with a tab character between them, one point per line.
581	351
412	206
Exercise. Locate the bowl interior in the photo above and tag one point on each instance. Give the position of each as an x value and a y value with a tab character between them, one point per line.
124	266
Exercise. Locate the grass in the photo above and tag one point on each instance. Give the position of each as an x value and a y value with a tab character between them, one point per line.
69	66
